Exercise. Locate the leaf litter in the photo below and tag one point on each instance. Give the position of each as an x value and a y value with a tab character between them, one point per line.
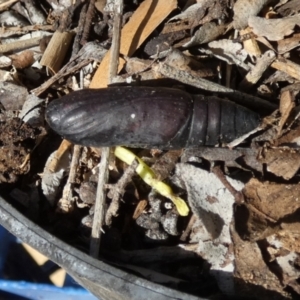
241	237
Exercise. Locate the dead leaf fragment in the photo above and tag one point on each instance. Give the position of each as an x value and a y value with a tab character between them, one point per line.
290	139
243	9
284	249
193	12
229	51
274	29
203	12
252	276
283	162
212	203
286	239
286	105
31	112
274	200
206	33
51	180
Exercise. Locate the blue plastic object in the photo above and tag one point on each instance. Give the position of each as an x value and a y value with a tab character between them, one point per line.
22	290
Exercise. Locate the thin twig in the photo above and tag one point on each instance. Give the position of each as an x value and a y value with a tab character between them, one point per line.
115	47
69	68
66	203
118	191
238	196
20	45
81	59
100	203
17	30
103	169
189	228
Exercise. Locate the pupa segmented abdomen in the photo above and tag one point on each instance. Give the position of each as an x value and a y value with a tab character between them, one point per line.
148	117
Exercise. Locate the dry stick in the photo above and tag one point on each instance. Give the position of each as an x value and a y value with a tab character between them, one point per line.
100	204
189	228
118	192
17	30
81	59
255	74
238	196
191	79
66	203
115	49
66	70
88	22
103	168
19	45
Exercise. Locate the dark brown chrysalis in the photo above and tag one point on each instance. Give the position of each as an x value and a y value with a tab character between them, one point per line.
148	117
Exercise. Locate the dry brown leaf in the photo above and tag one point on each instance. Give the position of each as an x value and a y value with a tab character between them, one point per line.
274	29
287	239
284	249
252	275
243	9
142	23
273	200
268	208
291	138
286	105
283	162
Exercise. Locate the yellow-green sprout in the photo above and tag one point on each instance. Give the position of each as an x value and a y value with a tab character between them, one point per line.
147	174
